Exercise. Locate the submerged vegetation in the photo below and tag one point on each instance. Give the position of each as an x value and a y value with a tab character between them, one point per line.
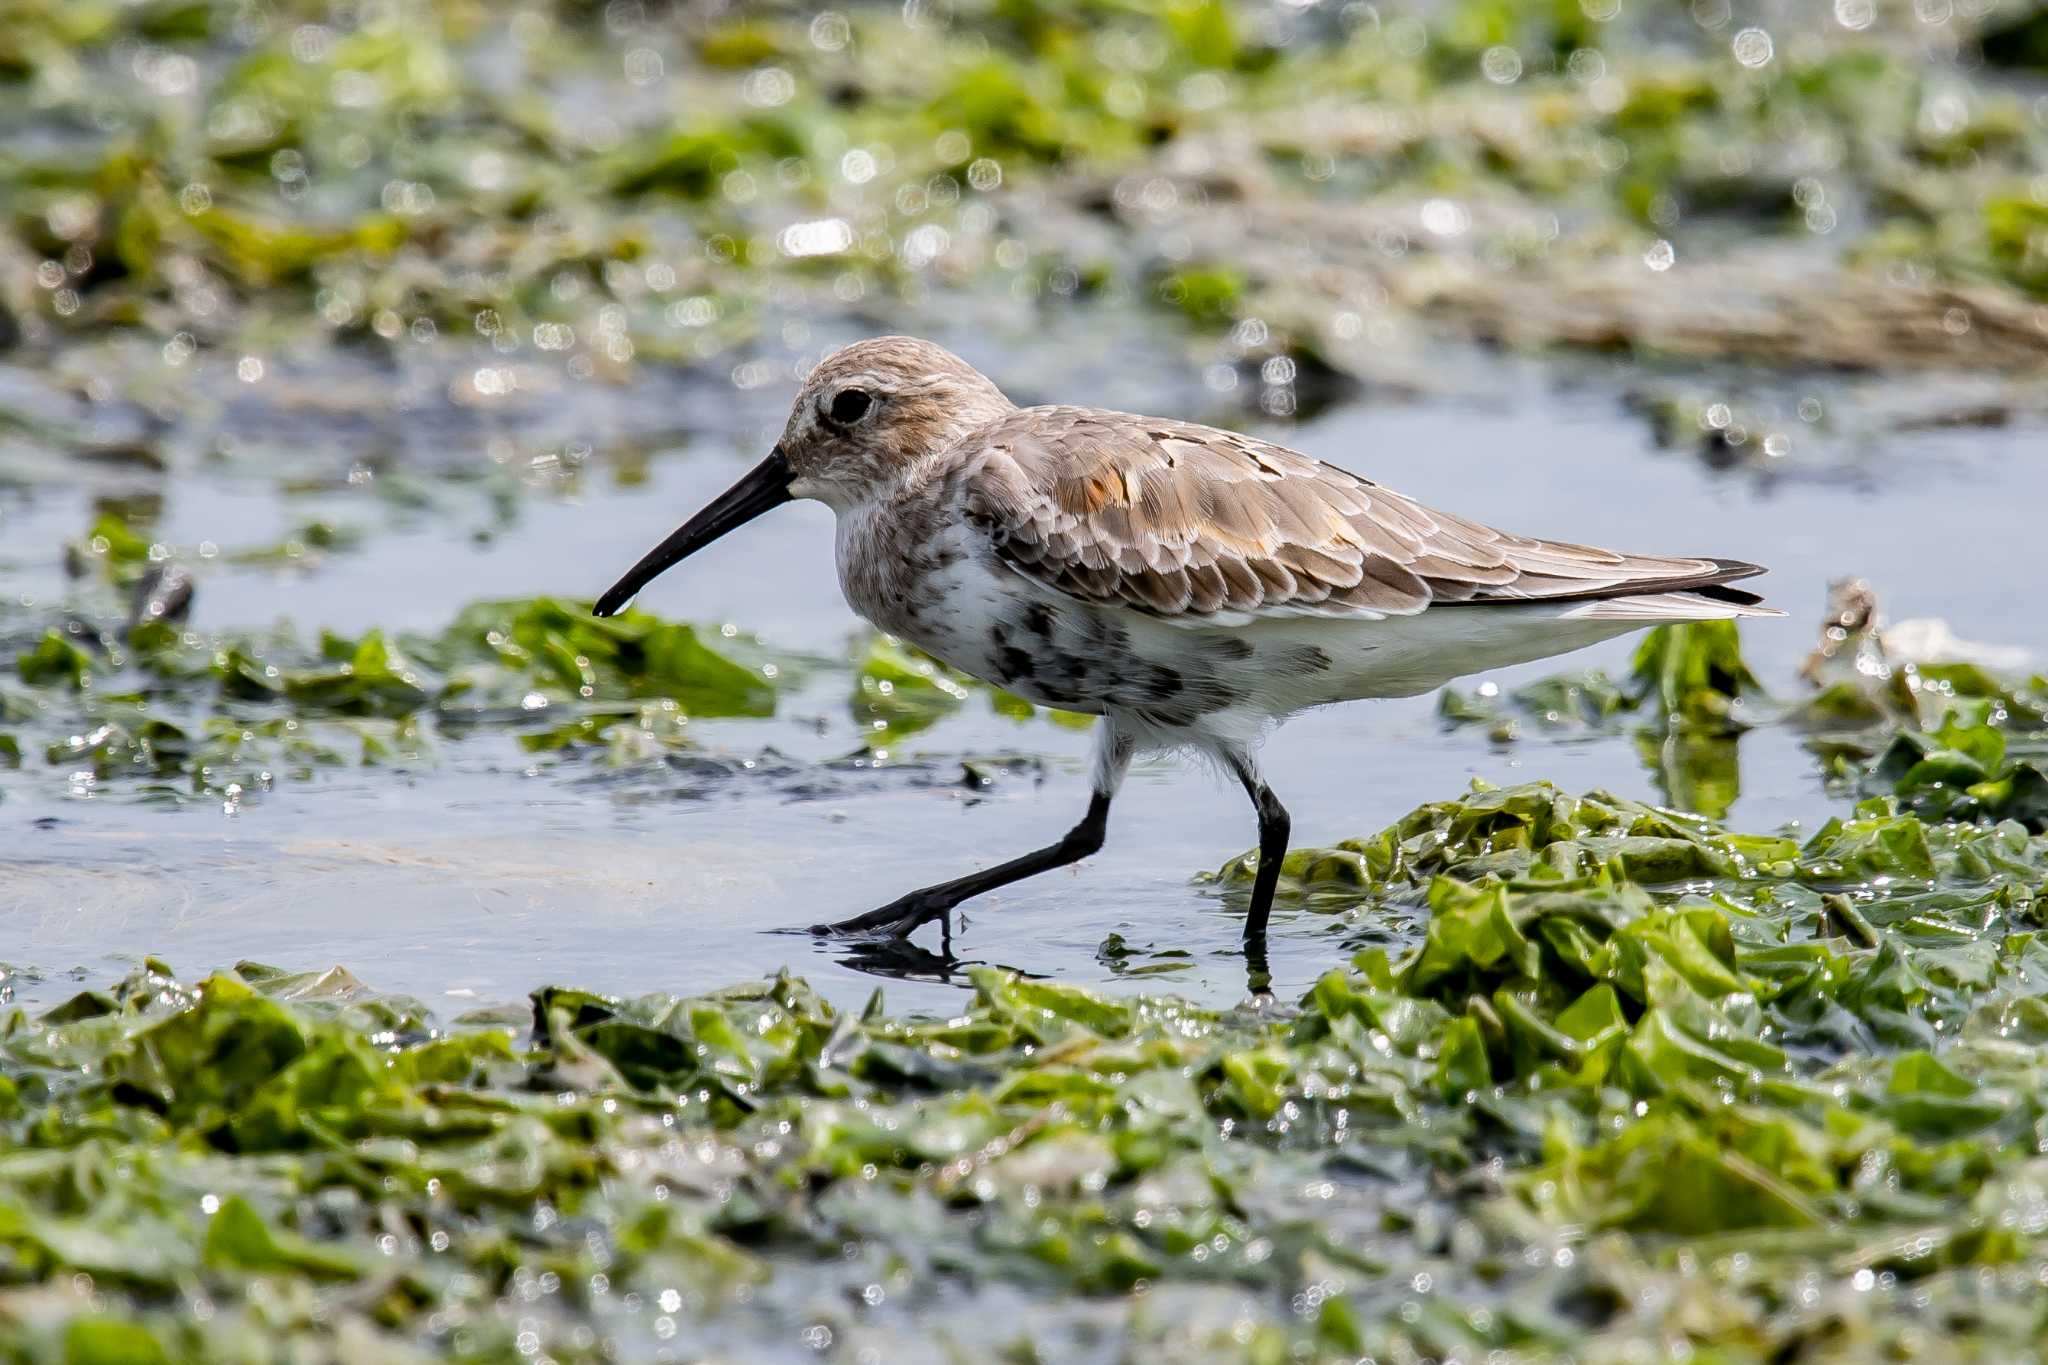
1630	1083
1597	1077
159	711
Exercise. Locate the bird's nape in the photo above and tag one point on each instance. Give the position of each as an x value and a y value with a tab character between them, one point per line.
763	488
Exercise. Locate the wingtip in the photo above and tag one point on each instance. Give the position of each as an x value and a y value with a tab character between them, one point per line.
1737	568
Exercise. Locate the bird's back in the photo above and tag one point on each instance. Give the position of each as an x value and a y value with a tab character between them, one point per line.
1193	523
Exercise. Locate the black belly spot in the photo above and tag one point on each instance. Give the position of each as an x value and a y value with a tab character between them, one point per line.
1231	647
1171	717
1040	619
1013	664
1108	639
1162	683
1309	659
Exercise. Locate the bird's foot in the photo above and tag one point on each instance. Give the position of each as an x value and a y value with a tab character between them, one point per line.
898	919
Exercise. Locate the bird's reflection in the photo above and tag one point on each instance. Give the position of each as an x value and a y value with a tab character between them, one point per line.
902	960
897	958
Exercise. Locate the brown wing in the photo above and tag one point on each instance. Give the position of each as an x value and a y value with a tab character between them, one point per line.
1178	519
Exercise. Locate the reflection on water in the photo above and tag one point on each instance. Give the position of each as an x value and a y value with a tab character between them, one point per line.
479	874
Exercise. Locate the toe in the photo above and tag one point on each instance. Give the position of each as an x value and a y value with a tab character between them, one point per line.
895	920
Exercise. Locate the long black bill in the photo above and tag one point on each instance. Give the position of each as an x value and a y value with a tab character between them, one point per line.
765	486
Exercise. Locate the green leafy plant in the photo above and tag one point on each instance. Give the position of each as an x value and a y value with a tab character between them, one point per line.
1610	1030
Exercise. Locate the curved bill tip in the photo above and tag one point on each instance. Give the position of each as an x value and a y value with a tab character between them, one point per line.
764	487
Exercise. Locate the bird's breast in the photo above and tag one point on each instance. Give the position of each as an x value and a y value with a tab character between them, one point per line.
950	597
899	570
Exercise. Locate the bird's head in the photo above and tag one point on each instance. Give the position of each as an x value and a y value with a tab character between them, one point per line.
868	414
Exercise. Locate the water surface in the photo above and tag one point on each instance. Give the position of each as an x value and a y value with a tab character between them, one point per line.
474	877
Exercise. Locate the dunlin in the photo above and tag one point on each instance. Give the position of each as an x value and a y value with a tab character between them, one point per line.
1188	585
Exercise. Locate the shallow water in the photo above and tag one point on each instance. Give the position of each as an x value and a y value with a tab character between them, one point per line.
471	880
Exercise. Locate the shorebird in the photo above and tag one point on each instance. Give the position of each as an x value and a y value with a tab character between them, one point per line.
1189	585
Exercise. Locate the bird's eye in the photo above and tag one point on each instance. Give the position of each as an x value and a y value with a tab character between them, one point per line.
850	405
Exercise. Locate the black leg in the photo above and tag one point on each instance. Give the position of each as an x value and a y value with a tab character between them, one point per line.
906	913
1274	828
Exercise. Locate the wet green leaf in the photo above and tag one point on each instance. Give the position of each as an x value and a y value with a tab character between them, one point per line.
102	1341
56	658
239	1237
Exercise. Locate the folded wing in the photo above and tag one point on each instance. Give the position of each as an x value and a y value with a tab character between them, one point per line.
1181	520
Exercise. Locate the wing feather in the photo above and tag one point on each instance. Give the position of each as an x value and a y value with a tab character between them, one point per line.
1187	521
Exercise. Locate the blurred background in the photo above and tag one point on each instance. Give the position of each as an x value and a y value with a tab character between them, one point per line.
346	347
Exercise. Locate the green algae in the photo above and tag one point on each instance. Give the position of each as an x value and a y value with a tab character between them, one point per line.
434	171
1601	1072
1688	692
1684	676
1949	740
184	713
1629	1078
161	711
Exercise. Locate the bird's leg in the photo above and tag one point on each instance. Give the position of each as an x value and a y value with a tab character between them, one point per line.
904	914
928	903
1274	828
